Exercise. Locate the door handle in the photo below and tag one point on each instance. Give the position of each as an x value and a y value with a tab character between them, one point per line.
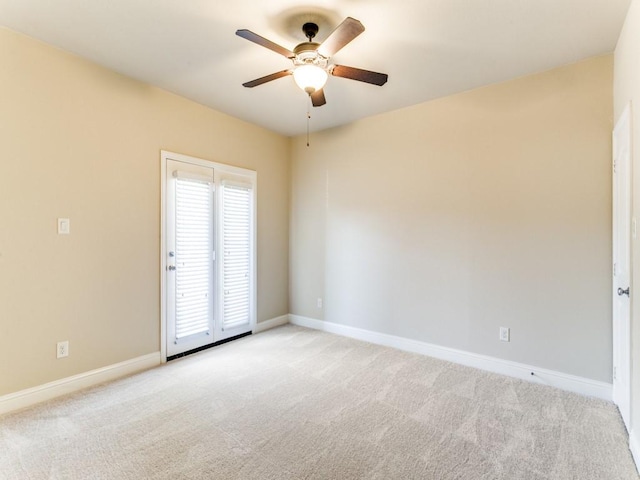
173	267
623	292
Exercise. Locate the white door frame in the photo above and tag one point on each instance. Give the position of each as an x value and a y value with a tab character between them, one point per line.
623	229
220	171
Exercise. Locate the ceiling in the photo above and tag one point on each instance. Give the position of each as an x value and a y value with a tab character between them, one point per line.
429	48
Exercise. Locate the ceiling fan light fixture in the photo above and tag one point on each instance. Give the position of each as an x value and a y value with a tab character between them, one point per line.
310	59
310	78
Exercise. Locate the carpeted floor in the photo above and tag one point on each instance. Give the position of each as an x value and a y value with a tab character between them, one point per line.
292	403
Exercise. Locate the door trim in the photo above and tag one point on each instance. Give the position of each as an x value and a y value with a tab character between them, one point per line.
621	332
219	169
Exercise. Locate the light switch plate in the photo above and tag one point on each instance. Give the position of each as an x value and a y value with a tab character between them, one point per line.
64	226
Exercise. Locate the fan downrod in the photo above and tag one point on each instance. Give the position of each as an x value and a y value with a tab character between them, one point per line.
310	30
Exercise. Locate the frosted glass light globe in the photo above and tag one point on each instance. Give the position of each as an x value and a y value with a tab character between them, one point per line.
310	78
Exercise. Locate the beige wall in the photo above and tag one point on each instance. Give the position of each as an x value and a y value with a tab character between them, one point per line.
444	221
627	89
439	222
82	142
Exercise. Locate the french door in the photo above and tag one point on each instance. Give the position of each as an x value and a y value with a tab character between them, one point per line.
208	253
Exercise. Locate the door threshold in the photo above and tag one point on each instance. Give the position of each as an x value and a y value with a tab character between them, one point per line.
205	347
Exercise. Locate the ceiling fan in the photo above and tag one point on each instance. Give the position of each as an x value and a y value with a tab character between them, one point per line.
311	60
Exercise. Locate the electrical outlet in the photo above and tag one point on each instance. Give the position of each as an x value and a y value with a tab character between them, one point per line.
504	334
319	302
62	349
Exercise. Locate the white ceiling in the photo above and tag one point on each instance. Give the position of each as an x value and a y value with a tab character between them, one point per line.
429	48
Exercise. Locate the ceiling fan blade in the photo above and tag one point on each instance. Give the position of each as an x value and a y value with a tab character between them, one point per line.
255	38
317	98
267	78
366	76
343	34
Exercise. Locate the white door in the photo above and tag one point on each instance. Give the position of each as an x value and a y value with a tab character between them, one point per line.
208	253
236	276
622	265
190	254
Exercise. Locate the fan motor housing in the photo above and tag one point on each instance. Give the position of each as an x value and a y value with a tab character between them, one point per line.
306	47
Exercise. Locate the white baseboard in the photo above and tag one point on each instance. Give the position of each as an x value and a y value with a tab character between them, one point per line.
634	446
564	381
271	323
572	383
41	393
31	396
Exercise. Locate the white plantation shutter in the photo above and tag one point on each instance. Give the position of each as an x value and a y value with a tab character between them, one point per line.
193	257
237	264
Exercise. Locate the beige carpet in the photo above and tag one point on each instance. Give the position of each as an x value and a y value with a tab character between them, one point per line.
293	403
